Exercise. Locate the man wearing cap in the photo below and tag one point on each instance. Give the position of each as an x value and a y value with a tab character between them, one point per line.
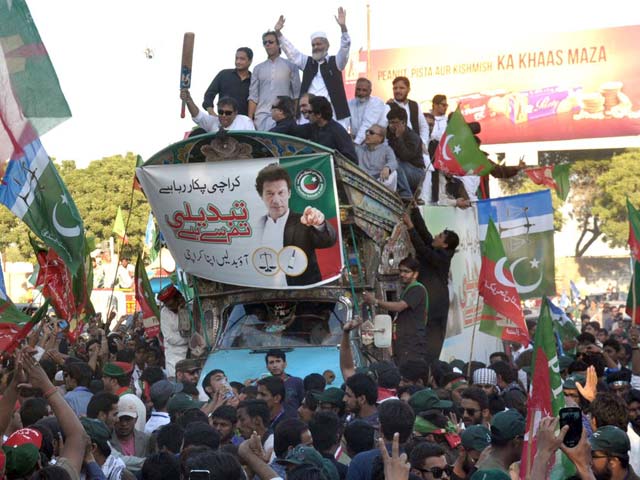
126	438
111	466
321	73
427	399
330	400
188	371
180	403
160	393
486	379
22	452
610	454
117	378
474	440
507	436
175	345
619	382
305	455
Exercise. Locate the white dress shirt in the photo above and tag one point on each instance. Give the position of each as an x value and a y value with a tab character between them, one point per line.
365	113
211	123
439	126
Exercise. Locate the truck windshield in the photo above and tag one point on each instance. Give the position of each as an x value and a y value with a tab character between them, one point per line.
277	324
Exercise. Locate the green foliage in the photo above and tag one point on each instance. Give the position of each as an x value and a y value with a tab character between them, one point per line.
97	190
621	179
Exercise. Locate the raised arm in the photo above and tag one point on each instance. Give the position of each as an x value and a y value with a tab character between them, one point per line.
345	41
296	57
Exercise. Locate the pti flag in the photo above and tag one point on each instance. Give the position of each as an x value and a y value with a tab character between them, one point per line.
634	230
525	225
554	176
32	103
633	297
458	153
546	397
146	301
502	313
15	325
56	282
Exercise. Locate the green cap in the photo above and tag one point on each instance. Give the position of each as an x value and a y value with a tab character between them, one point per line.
475	437
491	474
507	425
21	460
427	399
331	395
180	402
570	382
457	363
565	361
96	429
117	369
302	455
611	440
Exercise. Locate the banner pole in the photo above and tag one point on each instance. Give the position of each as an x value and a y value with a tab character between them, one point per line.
473	336
633	292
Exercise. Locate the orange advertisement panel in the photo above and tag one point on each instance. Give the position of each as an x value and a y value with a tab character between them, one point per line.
557	86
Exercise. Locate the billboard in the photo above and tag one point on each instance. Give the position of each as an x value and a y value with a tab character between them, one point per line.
217	226
553	86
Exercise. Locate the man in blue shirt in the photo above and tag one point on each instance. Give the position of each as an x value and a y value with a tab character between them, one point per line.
77	377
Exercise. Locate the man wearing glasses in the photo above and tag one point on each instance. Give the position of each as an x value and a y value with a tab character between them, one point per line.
227	118
439	107
409	326
272	78
377	159
428	461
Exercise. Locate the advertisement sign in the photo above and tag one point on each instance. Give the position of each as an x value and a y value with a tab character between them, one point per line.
268	223
551	86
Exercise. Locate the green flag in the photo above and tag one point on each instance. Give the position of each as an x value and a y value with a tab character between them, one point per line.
458	153
633	297
118	226
556	177
634	230
146	301
546	397
16	325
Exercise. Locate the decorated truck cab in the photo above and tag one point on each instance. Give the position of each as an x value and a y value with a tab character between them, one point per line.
279	237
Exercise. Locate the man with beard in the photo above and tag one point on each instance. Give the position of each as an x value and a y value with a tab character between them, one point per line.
409	326
434	255
633	429
365	110
272	78
417	122
360	396
232	82
321	73
610	454
474	440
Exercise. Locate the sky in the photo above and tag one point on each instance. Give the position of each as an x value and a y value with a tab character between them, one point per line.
121	101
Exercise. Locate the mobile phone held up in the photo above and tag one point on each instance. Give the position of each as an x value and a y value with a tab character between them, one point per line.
571	416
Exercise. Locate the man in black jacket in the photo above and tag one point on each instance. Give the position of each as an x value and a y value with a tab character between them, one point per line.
434	255
407	146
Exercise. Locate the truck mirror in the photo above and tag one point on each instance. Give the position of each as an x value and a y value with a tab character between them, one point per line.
382	331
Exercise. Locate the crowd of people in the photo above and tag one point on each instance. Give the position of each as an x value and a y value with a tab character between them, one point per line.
105	407
393	142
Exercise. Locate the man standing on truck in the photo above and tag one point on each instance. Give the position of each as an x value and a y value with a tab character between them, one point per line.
409	341
175	346
434	255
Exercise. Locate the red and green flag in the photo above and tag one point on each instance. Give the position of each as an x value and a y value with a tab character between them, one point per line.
57	284
502	314
545	397
633	297
16	325
31	104
458	153
553	176
146	301
634	230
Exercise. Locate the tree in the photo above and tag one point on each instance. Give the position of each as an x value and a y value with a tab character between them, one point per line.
97	190
621	180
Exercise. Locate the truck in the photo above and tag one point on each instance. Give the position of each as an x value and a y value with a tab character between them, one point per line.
241	322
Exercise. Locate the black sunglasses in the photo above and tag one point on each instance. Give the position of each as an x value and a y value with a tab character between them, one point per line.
470	411
277	107
226	113
437	472
268	42
371	132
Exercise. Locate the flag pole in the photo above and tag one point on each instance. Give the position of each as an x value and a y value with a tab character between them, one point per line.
633	292
473	335
368	40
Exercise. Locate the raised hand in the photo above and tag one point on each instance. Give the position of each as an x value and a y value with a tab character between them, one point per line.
341	18
279	24
396	466
589	390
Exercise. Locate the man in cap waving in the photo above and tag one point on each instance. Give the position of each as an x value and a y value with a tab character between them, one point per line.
321	73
